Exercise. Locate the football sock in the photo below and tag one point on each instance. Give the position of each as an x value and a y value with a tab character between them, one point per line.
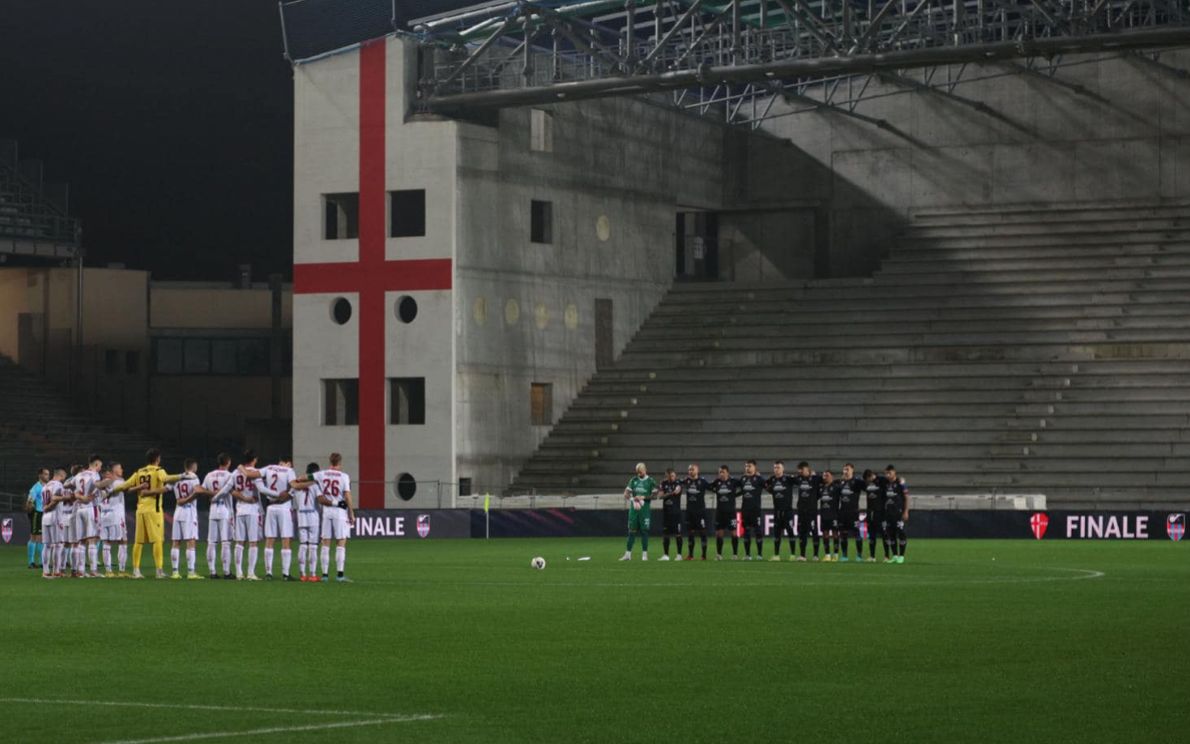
777	544
286	560
79	561
268	561
225	549
93	557
644	542
239	560
137	549
107	557
748	546
158	557
843	546
340	558
122	556
704	546
680	545
40	552
735	545
665	545
211	558
30	549
803	542
302	560
326	560
631	540
759	547
253	552
173	560
817	542
191	557
718	545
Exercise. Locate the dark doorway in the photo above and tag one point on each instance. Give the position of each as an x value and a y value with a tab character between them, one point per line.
605	350
697	246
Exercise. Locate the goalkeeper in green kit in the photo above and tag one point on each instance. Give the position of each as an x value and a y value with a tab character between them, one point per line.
639	495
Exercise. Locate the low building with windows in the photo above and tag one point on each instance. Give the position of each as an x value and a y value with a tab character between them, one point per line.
204	364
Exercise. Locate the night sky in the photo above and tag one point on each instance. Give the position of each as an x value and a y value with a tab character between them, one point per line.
170	119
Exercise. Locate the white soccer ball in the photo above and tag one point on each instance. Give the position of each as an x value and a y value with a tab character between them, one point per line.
538	563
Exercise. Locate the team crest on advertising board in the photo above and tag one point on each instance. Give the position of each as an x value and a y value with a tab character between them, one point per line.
1037	524
423	525
1175	527
6	529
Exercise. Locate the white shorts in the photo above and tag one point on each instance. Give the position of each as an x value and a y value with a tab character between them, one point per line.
308	526
185	529
66	530
248	528
117	532
278	522
84	523
219	531
334	523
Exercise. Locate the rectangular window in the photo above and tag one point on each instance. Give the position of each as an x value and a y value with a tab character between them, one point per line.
464	486
541	130
340	402
223	356
541	403
541	221
197	356
340	216
407	213
407	401
168	356
132	362
252	356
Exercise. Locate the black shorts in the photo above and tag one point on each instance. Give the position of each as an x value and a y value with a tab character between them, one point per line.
725	520
807	523
752	521
829	522
847	522
35	523
696	521
783	518
671	522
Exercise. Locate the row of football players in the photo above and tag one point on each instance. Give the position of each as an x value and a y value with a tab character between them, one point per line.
84	515
806	504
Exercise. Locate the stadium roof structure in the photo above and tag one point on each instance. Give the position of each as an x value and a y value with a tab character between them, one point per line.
737	58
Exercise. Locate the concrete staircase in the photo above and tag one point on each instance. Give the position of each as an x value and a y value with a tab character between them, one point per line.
39	428
1030	350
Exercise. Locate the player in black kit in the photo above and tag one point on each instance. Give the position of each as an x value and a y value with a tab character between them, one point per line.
806	486
847	492
726	490
896	513
695	487
671	505
873	492
781	487
828	516
751	491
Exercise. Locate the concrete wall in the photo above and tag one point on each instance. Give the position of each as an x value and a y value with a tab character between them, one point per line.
181	305
766	246
1127	137
618	172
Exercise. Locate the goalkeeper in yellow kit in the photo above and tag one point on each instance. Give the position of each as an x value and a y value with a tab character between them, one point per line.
148	484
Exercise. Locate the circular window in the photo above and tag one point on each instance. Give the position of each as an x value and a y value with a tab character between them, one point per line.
406	486
406	309
340	310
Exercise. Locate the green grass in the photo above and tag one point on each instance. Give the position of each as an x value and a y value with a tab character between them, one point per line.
985	641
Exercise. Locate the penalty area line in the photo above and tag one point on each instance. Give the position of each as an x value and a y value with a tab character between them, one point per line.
275	730
192	706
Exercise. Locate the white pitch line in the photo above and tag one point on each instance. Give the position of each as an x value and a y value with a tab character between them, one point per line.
1084	574
274	730
186	706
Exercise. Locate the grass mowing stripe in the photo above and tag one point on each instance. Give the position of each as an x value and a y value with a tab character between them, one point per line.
274	730
191	706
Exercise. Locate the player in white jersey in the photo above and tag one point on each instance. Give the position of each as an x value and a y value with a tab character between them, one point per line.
86	531
185	528
66	531
337	513
113	520
278	515
52	495
245	485
305	505
219	524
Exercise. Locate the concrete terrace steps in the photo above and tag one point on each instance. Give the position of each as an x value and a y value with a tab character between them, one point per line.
1015	351
993	216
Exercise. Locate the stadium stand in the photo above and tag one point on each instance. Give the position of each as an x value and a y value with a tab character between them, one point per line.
40	428
33	214
1033	349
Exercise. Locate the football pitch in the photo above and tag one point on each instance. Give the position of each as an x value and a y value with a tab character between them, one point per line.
461	641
